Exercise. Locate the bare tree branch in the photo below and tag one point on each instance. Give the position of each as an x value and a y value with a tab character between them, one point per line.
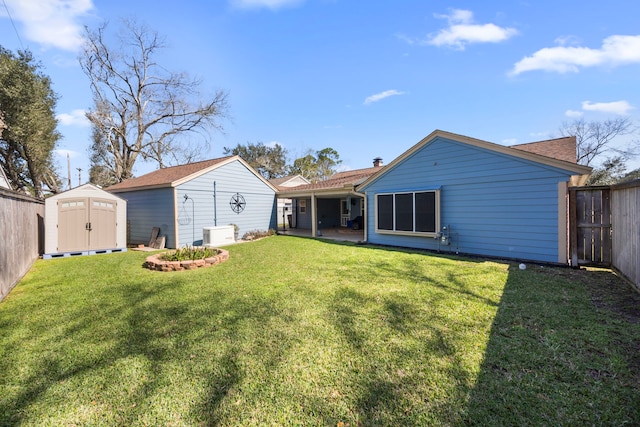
595	138
140	108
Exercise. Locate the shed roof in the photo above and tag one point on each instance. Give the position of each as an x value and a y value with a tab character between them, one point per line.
84	190
175	175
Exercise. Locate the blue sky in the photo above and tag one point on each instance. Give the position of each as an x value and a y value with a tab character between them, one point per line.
367	79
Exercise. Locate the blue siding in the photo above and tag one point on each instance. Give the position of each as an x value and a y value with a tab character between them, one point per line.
198	211
497	204
304	219
148	209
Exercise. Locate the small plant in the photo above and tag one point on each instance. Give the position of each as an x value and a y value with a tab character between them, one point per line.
189	253
257	234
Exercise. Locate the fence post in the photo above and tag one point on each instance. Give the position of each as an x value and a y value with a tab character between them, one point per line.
573	228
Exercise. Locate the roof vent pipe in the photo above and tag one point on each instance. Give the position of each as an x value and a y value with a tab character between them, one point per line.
377	162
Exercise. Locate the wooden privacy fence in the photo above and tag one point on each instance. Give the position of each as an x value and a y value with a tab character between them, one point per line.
605	227
22	236
625	216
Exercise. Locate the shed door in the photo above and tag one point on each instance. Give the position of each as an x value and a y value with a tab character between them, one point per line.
86	224
102	221
73	218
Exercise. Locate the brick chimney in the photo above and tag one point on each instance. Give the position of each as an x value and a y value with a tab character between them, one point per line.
377	162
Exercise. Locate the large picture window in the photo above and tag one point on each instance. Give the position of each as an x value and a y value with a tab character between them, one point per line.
408	212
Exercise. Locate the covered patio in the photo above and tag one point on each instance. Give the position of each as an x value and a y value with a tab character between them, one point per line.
331	209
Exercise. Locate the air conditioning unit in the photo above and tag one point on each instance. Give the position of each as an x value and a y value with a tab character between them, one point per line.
218	236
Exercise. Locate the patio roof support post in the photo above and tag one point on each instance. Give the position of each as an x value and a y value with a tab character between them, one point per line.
314	216
364	216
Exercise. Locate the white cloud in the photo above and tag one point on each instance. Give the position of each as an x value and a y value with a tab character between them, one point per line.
462	31
269	4
617	107
75	118
567	41
382	95
510	141
573	113
615	50
51	23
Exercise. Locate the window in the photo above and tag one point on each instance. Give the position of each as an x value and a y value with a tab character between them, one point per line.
303	206
408	212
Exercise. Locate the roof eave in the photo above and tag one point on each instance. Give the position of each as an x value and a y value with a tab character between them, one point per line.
346	189
561	164
142	187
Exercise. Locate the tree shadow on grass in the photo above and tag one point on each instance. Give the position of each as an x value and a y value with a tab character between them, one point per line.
254	333
125	349
560	353
77	345
395	339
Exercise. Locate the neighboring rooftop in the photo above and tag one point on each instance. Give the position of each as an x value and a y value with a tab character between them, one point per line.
289	181
558	148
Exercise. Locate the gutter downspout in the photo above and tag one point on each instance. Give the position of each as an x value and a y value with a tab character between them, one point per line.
215	212
175	216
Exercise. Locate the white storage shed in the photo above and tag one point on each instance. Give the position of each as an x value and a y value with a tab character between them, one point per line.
83	221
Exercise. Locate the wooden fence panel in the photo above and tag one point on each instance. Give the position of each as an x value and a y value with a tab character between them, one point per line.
22	231
625	208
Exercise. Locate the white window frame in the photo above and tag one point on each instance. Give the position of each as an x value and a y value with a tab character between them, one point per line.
405	232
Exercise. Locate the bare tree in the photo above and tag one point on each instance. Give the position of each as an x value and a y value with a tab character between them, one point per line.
595	138
140	108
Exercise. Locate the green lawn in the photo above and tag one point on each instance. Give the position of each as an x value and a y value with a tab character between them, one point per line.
294	331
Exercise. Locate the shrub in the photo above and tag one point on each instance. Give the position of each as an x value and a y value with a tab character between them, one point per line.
189	253
257	234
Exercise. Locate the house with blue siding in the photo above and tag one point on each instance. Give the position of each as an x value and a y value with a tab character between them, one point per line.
455	193
183	200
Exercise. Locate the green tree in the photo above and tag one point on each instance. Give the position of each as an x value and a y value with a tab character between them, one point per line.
141	108
327	160
610	172
269	161
28	133
100	173
317	166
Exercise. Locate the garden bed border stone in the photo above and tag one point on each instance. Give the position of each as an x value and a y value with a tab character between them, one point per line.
153	262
